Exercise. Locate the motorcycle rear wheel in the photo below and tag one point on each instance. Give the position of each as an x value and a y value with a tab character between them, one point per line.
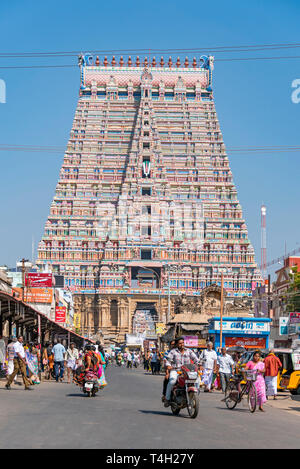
193	409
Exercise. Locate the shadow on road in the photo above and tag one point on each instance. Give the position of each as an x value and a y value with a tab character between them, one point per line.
155	412
165	413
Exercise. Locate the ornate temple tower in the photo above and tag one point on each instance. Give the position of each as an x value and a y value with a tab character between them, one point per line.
145	207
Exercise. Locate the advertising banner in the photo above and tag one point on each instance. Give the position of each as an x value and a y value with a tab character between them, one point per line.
33	279
161	328
191	341
247	342
60	314
294	318
76	321
36	295
296	360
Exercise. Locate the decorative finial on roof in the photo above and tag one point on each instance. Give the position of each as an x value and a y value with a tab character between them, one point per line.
186	62
178	62
146	62
137	62
194	62
97	62
170	63
129	61
113	62
153	62
121	61
162	62
105	62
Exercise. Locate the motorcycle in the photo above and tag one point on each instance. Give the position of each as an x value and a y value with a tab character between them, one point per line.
185	393
119	361
90	384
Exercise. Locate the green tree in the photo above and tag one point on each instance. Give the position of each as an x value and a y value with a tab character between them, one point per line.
293	293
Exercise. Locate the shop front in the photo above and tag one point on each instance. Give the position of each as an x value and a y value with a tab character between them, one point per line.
250	333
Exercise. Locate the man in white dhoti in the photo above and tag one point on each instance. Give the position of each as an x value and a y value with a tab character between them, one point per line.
209	363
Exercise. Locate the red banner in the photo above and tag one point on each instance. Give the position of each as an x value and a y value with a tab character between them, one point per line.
38	280
247	342
60	314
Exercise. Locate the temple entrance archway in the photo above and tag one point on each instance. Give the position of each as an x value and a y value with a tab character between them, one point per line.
144	319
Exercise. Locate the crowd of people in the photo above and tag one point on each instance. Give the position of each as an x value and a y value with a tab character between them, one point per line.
59	363
53	360
217	367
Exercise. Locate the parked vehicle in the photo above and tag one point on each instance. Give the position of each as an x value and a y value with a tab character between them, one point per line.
185	393
289	378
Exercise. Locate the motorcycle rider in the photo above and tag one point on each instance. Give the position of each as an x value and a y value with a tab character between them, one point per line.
178	357
167	374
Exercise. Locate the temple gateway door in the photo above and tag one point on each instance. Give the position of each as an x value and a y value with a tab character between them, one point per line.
144	319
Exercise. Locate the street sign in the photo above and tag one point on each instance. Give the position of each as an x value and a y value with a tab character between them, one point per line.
60	314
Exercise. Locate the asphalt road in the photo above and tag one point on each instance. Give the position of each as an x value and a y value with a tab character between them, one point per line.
129	414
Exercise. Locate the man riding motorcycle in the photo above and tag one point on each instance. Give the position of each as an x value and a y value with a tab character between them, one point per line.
178	357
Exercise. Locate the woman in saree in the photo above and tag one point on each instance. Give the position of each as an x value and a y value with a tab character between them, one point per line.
32	361
257	364
102	364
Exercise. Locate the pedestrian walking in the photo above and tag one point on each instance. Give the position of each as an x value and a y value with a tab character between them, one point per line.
225	367
129	360
272	367
2	353
153	361
32	362
72	357
59	352
208	358
19	365
10	354
257	364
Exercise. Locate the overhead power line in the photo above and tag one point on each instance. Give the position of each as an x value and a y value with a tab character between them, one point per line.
221	49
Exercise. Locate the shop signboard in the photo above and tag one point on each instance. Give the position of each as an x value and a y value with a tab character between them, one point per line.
36	295
60	314
244	326
294	318
132	339
33	279
247	342
283	325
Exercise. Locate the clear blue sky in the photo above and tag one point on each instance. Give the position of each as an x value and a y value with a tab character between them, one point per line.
253	99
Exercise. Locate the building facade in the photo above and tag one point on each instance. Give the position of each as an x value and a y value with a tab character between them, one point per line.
145	207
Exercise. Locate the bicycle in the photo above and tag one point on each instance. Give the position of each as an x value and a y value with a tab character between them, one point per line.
233	395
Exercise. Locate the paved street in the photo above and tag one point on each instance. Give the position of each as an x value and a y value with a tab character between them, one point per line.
129	414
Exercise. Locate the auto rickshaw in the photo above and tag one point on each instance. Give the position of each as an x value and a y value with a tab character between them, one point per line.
289	377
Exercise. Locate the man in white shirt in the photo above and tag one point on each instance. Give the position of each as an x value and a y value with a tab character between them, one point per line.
225	365
209	365
19	365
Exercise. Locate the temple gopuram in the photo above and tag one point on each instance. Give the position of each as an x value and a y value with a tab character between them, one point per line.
145	209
